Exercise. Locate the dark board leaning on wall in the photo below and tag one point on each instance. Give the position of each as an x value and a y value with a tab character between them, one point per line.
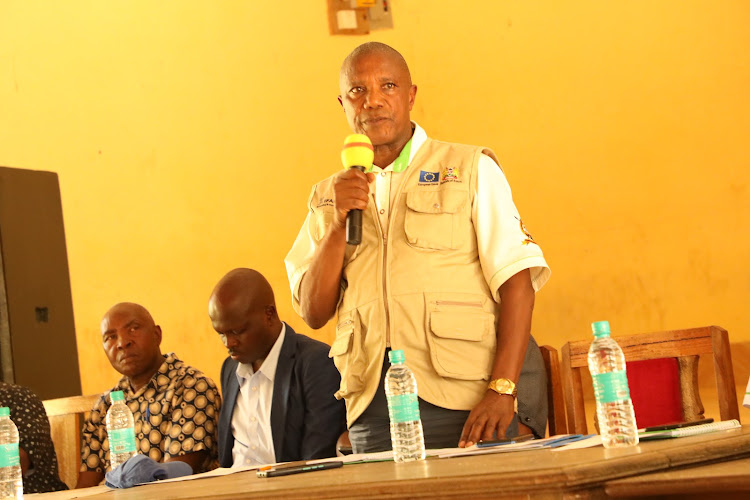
37	331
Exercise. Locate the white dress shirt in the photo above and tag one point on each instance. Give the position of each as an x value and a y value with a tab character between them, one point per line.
251	420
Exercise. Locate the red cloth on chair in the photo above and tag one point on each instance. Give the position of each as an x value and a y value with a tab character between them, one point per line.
655	391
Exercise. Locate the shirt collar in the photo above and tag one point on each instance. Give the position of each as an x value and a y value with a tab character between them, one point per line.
268	368
171	362
403	160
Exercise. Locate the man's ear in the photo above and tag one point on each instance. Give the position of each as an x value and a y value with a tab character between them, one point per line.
271	314
157	332
341	101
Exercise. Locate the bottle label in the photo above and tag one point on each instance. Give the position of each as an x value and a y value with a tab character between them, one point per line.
9	455
403	408
611	387
122	440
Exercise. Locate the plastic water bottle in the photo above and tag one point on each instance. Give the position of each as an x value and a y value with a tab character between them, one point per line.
120	429
614	408
407	438
11	481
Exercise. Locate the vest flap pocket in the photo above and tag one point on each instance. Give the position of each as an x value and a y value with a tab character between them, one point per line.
449	325
461	337
343	341
436	202
348	355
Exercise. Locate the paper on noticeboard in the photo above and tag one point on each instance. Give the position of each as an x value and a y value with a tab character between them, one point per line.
380	15
346	19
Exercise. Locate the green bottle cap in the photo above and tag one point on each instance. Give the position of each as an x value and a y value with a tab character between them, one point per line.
396	356
116	396
4	411
600	328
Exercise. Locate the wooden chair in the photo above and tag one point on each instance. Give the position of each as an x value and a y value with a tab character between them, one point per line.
685	345
343	445
556	423
66	417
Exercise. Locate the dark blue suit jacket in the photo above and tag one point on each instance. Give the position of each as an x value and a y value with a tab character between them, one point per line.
306	419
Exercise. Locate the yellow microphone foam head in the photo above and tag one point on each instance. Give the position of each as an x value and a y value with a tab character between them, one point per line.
357	151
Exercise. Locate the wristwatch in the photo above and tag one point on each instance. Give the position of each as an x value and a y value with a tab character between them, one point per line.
503	386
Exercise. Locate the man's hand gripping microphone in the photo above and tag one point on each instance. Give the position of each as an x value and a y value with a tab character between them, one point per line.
357	153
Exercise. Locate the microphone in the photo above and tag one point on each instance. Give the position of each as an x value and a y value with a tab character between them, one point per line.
357	153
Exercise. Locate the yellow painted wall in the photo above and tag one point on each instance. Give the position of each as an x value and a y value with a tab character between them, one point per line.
187	135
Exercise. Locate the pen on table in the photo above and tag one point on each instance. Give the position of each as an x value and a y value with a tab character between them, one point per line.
285	471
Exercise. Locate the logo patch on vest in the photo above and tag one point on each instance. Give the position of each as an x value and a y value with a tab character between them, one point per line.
325	202
426	177
450	174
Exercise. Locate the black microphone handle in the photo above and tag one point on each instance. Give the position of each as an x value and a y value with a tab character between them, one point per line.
354	221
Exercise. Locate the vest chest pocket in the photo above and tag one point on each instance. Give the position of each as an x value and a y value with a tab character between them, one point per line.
433	219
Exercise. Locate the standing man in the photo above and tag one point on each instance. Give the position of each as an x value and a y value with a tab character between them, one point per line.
446	271
278	385
174	406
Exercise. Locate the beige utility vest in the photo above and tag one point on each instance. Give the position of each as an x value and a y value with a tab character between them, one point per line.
421	285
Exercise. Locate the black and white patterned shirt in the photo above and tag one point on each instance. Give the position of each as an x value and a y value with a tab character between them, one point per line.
27	412
174	414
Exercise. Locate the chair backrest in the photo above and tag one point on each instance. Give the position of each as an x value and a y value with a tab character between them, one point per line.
66	417
556	406
685	345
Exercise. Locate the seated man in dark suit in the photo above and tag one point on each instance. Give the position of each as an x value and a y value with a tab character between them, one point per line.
278	386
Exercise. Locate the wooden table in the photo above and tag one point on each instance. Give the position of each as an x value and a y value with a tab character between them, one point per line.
585	473
732	479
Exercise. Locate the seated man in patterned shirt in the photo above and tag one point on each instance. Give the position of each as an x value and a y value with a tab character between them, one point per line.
175	407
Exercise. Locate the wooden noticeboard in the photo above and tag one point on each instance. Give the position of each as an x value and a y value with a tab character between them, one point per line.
345	20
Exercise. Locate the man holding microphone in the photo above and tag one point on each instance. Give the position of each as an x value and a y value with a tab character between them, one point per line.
445	271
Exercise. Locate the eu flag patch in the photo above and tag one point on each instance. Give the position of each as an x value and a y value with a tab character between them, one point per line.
428	177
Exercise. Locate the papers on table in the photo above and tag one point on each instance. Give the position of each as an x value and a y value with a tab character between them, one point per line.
589	441
382	456
221	471
554	442
560	442
692	430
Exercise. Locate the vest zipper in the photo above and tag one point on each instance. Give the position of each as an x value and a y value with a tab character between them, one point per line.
385	289
341	326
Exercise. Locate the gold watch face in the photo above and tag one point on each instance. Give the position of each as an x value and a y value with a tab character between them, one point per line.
503	386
